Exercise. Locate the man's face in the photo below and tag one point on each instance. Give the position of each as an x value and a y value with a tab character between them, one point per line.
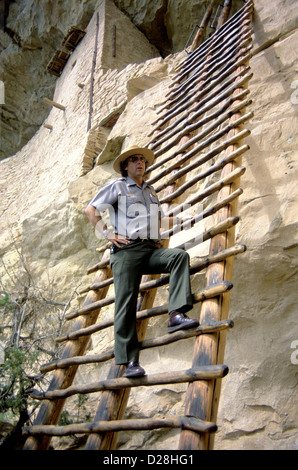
135	166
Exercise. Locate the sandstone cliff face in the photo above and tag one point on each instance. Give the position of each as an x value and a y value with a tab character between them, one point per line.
45	187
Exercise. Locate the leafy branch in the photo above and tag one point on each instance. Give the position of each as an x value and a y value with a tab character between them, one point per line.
31	319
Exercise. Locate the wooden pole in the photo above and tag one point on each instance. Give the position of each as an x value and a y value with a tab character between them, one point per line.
171	422
225	13
122	383
202	29
54	103
92	74
202	398
217	118
145	344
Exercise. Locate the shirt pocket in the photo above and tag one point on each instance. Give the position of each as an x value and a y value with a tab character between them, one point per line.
135	206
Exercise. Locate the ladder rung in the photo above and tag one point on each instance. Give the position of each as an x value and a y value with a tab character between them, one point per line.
195	96
231	221
210	136
236	21
202	158
222	255
195	267
145	344
224	90
184	422
190	375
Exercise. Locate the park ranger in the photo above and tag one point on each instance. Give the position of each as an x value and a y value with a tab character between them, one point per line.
136	215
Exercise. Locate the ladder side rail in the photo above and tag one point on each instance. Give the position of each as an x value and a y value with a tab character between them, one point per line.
202	398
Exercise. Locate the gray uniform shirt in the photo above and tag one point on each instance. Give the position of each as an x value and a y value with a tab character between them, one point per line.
134	211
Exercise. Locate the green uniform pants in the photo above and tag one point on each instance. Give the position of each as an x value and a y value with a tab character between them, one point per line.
128	264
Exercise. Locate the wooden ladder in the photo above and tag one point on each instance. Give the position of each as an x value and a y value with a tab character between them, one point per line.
198	141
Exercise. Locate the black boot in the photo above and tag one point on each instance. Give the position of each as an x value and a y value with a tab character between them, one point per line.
180	321
133	369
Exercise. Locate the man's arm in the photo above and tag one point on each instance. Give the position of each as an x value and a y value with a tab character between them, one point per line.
94	218
100	225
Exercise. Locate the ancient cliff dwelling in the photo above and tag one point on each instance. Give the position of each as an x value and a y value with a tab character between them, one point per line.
210	88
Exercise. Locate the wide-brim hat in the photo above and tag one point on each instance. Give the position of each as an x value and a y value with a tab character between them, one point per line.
129	152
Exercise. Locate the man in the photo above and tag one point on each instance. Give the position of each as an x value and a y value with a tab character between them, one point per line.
135	214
